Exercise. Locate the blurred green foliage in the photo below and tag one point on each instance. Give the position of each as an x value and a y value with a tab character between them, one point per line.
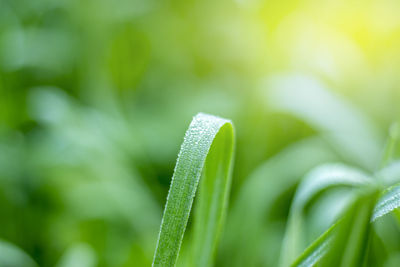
95	97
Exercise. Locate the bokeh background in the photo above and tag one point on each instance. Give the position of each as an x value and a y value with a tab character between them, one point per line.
95	97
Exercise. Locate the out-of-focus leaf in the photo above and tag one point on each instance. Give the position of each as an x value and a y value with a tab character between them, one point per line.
12	256
350	241
79	255
318	180
394	133
393	261
206	151
344	243
256	199
390	175
326	176
129	55
313	254
388	202
29	48
356	139
94	179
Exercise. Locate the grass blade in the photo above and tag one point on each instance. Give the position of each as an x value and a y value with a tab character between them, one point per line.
329	175
207	148
345	242
388	202
316	250
350	242
317	181
257	198
353	134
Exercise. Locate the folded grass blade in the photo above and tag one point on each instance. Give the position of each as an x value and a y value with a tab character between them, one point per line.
206	152
317	181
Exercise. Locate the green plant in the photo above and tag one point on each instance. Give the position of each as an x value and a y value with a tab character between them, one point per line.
350	240
207	151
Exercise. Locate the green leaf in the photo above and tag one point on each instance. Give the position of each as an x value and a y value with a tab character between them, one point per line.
316	250
387	203
257	198
350	241
318	180
326	176
207	151
390	175
345	242
347	129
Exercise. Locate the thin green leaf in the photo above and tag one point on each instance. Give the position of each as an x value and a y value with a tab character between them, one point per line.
210	138
345	242
328	175
316	250
317	181
350	241
388	202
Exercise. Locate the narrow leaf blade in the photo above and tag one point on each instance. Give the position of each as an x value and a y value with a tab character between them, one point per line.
205	133
316	181
387	203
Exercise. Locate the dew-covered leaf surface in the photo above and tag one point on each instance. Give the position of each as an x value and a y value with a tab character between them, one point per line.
388	202
207	152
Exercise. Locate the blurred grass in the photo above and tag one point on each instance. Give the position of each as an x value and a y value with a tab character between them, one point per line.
95	96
